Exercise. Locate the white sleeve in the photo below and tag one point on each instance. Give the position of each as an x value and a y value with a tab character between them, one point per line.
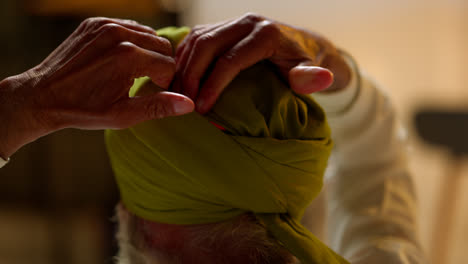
3	162
370	199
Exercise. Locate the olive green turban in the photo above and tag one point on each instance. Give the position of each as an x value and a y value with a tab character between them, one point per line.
269	161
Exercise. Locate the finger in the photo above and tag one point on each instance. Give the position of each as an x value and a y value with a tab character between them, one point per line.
187	46
159	68
246	53
90	28
131	111
138	62
194	34
93	23
309	79
110	41
183	51
132	24
206	48
110	34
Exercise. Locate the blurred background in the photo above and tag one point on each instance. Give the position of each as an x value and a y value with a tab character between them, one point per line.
57	195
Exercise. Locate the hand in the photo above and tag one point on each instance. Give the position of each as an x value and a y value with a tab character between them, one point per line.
232	46
84	84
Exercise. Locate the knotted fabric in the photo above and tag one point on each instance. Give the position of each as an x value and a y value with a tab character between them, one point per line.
270	160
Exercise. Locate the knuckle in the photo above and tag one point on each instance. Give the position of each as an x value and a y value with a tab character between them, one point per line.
84	23
269	28
95	22
87	24
253	17
195	35
197	28
112	30
89	21
165	44
230	63
228	60
130	22
203	41
126	49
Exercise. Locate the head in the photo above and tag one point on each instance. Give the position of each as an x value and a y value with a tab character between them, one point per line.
194	194
241	239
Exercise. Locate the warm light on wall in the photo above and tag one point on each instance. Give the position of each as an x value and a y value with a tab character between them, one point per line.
93	7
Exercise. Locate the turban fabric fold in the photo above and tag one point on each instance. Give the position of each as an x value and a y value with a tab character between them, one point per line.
270	160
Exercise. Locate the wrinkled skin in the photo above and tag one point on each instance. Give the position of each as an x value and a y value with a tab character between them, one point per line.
84	84
305	59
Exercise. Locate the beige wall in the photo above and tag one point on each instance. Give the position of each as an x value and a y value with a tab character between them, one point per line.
415	49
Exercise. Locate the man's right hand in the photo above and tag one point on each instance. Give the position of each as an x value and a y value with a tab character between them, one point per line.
84	84
218	52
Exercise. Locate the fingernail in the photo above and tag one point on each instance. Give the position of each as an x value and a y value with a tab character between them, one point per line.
311	79
183	106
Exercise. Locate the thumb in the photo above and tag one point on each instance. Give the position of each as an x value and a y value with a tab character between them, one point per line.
158	105
309	79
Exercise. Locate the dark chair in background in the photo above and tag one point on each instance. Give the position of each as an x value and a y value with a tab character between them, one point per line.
449	130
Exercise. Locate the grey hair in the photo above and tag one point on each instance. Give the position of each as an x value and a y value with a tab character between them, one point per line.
239	240
129	250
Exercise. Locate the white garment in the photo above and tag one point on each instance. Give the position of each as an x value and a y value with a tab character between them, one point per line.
3	162
368	192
